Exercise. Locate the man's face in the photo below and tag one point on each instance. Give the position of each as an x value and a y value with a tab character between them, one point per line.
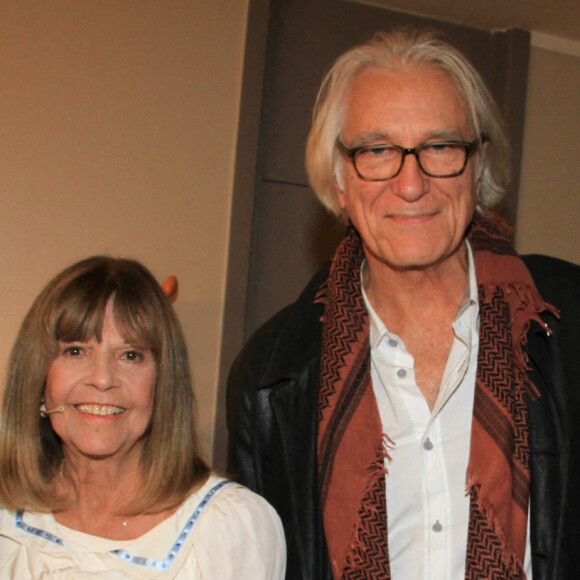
411	221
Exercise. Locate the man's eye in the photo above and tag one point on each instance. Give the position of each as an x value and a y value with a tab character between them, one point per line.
437	147
380	151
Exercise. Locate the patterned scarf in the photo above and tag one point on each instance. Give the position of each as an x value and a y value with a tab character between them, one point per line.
352	447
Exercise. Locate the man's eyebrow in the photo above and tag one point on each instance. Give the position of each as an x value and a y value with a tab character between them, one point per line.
445	135
383	137
370	137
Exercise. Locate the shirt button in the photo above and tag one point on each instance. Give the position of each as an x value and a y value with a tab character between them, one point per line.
427	444
393	342
437	527
401	373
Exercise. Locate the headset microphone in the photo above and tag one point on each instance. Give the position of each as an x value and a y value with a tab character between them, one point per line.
44	412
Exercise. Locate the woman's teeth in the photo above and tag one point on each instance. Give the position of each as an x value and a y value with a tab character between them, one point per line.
100	409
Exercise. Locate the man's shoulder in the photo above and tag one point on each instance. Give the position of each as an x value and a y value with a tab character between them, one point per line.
290	338
295	316
541	264
556	279
558	283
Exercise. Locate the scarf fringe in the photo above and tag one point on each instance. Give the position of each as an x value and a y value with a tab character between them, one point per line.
526	304
508	558
376	471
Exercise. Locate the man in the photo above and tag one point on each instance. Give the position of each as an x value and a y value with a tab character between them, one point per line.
413	414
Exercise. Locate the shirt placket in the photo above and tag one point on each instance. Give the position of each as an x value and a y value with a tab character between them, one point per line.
436	512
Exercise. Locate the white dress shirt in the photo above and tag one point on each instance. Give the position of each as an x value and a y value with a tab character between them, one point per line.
427	501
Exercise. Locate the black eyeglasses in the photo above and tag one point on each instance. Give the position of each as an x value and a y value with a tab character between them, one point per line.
379	162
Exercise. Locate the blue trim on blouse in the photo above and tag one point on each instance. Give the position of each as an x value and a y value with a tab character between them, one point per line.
149	562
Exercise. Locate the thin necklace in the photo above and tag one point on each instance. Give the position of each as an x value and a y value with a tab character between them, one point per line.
61	471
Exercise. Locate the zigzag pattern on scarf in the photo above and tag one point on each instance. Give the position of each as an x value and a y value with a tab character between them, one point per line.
487	235
504	394
345	314
368	556
485	553
358	381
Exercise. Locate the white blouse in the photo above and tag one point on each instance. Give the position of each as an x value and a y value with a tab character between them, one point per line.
222	531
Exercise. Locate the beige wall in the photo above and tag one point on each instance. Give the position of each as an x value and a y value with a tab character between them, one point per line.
549	210
118	132
119	121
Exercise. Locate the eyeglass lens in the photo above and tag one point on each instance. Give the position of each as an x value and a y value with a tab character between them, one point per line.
436	160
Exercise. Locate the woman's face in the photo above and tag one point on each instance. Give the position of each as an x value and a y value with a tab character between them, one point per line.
106	389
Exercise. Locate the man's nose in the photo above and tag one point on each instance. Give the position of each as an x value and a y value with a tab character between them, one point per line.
411	183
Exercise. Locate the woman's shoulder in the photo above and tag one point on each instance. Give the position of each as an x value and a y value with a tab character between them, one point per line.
242	527
224	499
8	530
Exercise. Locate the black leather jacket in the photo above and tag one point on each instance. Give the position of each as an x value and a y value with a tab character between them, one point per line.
272	414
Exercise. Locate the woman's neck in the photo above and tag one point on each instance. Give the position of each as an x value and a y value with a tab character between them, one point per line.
99	493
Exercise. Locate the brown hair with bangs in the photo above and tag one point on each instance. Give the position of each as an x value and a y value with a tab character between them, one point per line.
72	307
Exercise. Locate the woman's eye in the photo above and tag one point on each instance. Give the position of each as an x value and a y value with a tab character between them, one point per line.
133	355
73	351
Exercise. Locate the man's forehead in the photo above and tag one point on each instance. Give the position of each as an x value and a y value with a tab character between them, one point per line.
383	99
410	70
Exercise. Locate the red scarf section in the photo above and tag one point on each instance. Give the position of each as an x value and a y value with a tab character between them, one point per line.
352	447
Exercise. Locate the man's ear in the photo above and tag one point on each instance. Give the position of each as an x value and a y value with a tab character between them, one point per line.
339	190
481	162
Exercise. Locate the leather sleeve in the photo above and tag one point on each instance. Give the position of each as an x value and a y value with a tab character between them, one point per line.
244	420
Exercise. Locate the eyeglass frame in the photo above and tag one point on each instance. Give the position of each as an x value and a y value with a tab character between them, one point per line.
470	147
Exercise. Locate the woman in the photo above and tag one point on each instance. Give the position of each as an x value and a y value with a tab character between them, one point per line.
100	470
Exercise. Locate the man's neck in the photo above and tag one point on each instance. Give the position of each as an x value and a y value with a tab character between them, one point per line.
420	306
431	293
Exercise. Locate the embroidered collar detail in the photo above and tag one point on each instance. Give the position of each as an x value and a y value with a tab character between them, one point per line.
128	557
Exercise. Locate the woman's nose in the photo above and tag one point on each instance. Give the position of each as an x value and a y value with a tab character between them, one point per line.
101	372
